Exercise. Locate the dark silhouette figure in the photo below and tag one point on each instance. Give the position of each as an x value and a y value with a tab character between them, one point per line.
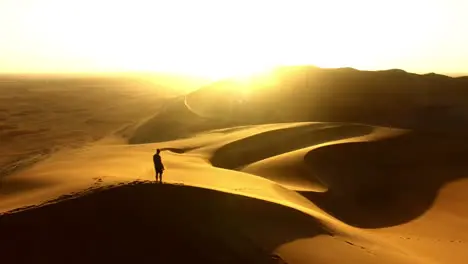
158	165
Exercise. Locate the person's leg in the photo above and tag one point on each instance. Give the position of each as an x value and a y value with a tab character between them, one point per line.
160	176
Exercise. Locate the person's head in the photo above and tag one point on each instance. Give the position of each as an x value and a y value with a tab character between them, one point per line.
158	151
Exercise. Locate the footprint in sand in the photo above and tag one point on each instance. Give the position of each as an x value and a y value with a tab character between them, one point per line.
97	180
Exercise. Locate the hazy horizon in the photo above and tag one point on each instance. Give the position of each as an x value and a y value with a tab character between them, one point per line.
215	40
130	73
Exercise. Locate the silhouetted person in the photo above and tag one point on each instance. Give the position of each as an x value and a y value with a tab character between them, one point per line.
158	165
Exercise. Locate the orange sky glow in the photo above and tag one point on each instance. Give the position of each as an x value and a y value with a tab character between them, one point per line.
215	39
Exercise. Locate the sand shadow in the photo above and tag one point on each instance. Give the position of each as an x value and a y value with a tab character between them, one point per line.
271	143
155	223
388	182
178	150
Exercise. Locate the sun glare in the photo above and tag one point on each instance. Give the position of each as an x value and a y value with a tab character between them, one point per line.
217	39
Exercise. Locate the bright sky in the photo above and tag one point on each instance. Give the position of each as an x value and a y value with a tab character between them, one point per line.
217	38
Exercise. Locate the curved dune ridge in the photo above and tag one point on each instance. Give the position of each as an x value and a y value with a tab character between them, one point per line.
241	191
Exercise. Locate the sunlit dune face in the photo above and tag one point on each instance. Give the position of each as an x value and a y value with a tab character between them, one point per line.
224	38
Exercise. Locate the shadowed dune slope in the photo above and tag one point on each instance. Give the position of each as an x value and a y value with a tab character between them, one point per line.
152	223
274	142
386	182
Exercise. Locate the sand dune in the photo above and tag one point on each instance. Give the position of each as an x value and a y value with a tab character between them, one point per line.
241	185
392	98
172	224
393	180
266	144
290	168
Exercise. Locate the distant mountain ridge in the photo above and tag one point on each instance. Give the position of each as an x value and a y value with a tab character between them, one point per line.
307	93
